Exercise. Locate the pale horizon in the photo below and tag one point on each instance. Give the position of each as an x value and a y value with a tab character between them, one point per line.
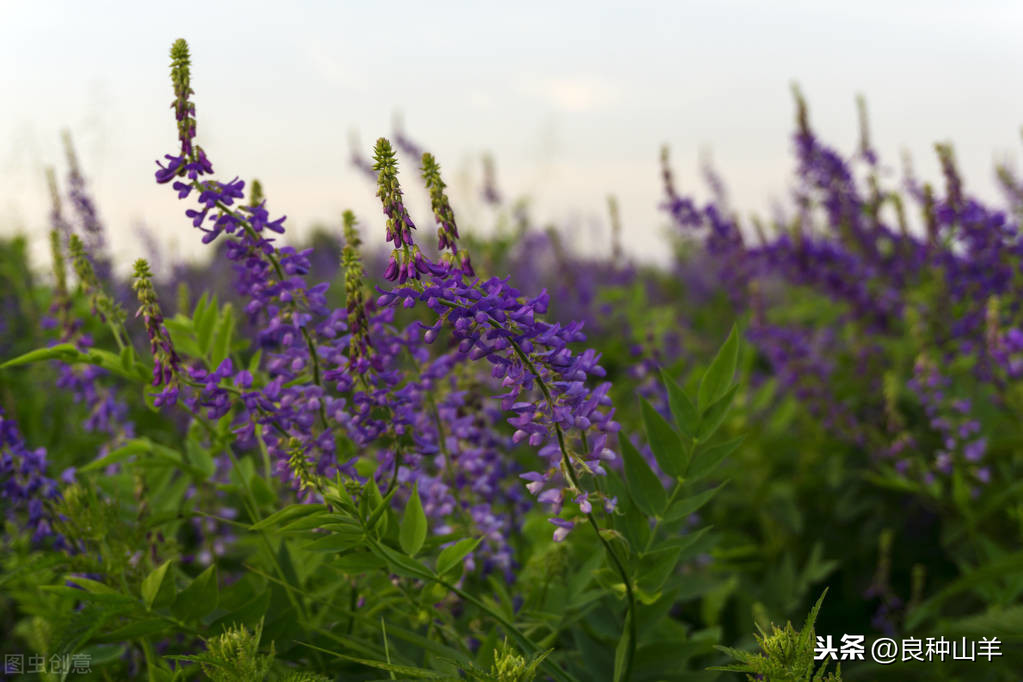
573	102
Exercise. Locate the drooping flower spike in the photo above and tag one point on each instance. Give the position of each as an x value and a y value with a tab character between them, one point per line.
167	367
406	261
447	229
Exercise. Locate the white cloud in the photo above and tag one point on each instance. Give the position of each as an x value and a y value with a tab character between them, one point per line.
480	100
329	66
575	94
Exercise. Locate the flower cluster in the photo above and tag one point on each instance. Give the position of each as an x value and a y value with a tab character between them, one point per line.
336	382
544	381
358	380
949	417
882	283
26	487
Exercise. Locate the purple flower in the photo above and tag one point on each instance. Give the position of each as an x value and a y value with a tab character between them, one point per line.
563	527
24	481
974	451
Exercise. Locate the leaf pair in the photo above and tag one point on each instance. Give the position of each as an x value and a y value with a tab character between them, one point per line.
676	447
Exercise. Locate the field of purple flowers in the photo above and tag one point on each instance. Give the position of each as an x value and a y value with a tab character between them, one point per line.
421	454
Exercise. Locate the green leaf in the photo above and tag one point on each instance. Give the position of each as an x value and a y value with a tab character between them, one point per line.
204	325
412	534
406	671
400	563
622	652
687	419
140	628
645	488
452	556
223	335
321	519
359	562
128	359
685	543
200	457
665	443
249	613
200	597
98	597
136	446
685	507
705	461
633	523
163	456
613	538
971	578
182	334
806	634
656	567
200	307
715	414
719	375
102	654
961	493
336	541
152	583
286	565
289	513
63	351
93	586
372	504
261	490
114	364
998	621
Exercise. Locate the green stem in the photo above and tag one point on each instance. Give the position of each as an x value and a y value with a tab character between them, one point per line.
391	488
524	642
570	472
657	521
147	650
310	343
630	616
253	508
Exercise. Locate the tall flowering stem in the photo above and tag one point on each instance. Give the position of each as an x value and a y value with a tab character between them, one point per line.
57	220
271	276
355	295
88	218
61	306
491	320
490	193
191	161
167	367
447	229
406	261
102	304
616	228
106	412
184	108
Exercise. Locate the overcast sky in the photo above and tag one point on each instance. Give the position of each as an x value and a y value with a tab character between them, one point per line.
573	100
